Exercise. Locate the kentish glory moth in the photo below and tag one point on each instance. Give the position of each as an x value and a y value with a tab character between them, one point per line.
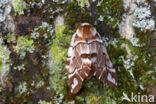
87	57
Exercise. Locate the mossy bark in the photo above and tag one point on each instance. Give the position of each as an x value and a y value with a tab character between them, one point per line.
38	40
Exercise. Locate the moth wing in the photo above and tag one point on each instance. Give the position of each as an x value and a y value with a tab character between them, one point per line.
76	68
103	68
75	80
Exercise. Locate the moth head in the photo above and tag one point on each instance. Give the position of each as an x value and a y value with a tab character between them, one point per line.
86	30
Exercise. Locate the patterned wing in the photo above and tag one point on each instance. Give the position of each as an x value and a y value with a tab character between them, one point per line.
78	65
103	68
88	57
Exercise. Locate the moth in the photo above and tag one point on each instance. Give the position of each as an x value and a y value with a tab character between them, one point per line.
87	57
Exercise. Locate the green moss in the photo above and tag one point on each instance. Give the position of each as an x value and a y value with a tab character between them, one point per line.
36	76
60	44
59	51
111	16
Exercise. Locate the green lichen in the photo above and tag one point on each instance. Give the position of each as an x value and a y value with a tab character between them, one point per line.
23	87
82	3
24	44
110	15
19	6
4	53
44	102
11	38
5	61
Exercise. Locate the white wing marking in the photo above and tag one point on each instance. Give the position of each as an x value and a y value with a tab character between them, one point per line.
104	69
75	83
83	24
111	79
70	52
73	38
86	61
79	33
93	59
93	30
94	73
